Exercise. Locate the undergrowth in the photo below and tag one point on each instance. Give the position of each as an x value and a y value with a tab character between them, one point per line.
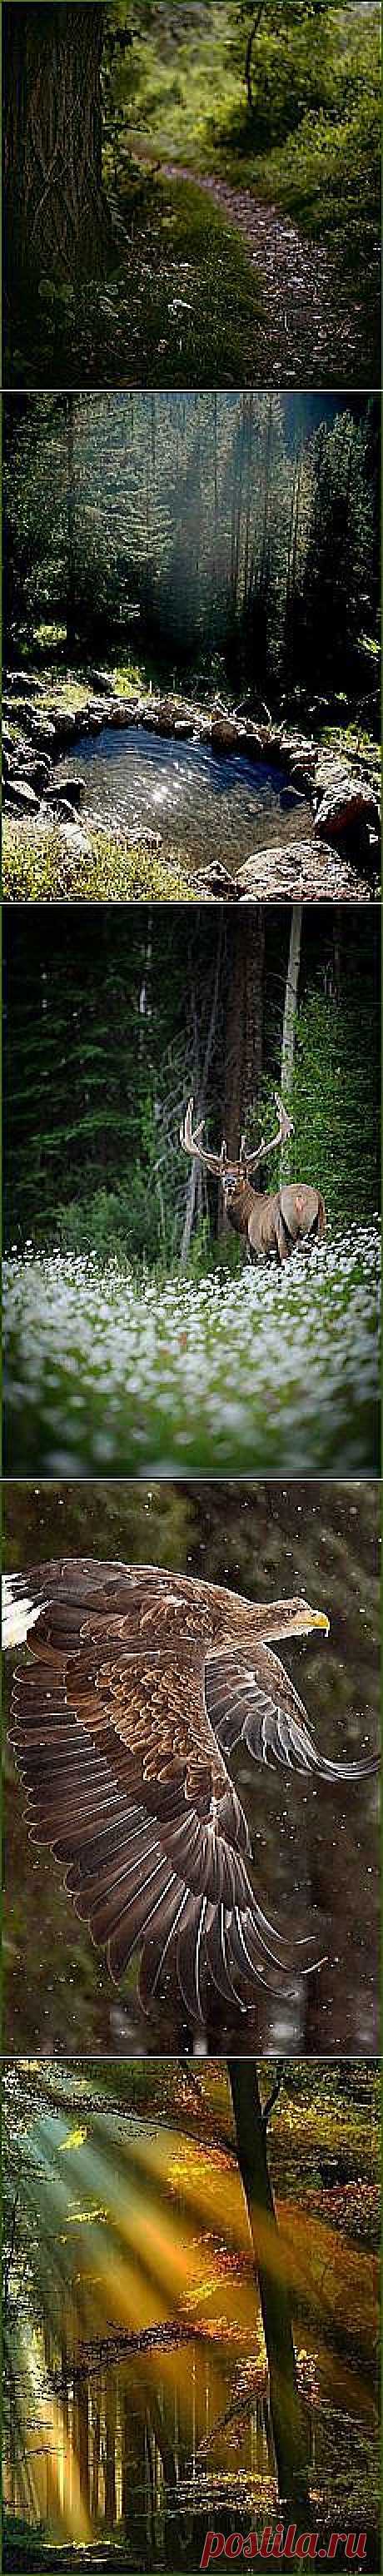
43	869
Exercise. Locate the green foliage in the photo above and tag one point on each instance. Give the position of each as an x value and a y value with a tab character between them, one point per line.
101	1058
40	869
133	327
174	88
310	140
333	1104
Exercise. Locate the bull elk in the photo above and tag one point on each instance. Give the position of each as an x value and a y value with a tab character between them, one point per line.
273	1221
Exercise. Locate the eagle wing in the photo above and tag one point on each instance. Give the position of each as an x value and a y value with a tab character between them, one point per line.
127	1784
257	1701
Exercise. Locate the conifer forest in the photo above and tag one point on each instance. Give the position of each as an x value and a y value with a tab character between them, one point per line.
191	1232
217	555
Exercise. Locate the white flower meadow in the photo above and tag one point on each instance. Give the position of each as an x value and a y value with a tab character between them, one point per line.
265	1372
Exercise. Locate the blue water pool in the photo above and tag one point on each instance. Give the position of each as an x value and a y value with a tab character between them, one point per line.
208	805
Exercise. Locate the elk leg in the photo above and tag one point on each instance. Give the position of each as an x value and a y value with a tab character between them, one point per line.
281	1239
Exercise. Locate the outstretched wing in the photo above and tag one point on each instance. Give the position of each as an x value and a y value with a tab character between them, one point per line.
258	1702
127	1784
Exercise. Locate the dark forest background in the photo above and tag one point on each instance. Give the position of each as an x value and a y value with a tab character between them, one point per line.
108	1033
231	536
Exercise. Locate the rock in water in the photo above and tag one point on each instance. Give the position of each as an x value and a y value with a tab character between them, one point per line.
224	733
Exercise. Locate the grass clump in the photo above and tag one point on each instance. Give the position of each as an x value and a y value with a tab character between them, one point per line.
41	868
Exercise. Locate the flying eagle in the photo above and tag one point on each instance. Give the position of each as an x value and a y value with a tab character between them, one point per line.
137	1686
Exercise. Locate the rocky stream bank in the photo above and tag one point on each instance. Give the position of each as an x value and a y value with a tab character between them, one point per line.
338	860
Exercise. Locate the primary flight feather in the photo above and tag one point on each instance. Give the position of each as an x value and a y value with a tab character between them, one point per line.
138	1684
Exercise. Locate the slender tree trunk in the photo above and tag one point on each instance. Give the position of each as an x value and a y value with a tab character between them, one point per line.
249	477
96	2459
289	1025
249	52
244	1022
288	2430
71	580
238	529
126	2473
110	2455
82	2442
55	213
193	1198
291	567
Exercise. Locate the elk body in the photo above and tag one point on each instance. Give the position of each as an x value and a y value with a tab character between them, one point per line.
273	1221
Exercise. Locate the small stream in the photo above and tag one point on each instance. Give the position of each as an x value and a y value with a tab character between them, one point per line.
208	805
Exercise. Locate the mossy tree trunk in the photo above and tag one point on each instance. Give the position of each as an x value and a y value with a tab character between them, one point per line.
55	214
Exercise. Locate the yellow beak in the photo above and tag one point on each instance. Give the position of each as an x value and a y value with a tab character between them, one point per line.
319	1620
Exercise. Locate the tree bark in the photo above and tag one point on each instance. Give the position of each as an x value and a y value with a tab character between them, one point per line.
286	2417
289	1025
193	1198
244	1022
55	212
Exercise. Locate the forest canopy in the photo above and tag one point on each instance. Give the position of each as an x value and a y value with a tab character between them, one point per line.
243	526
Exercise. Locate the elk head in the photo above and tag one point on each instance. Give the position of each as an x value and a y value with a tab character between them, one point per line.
272	1221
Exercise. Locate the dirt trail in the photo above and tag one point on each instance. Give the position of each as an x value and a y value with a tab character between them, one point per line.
308	339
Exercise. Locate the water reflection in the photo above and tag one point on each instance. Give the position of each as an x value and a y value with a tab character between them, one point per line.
211	807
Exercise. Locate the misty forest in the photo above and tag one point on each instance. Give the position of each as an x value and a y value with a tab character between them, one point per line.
191	692
314	1845
146	1332
211	211
191	2328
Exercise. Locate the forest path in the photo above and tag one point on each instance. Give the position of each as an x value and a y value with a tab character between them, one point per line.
308	339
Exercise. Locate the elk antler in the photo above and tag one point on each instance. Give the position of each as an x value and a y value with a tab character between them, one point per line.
220	1163
285	1129
192	1145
